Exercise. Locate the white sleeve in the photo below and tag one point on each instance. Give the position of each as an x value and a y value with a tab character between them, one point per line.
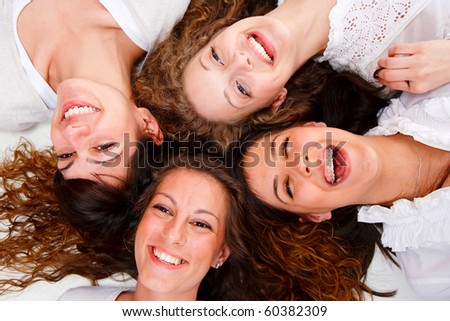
428	271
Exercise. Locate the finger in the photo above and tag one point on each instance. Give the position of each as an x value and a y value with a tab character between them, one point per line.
402	49
393	75
397	85
396	62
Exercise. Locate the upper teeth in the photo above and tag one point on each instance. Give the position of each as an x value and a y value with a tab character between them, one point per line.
330	166
75	110
167	258
260	49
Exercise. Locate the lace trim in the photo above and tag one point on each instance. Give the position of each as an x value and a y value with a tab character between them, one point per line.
360	30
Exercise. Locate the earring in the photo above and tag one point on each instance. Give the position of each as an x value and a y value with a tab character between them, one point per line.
217	265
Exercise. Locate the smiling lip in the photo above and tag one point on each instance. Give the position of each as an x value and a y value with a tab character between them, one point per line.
68	105
166	260
265	43
341	163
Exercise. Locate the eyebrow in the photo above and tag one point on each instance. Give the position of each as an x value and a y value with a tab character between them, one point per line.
199	211
275	189
273	147
227	97
92	161
275	179
66	167
201	63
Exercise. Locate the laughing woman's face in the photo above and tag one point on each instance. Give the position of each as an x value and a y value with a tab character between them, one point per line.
93	128
311	169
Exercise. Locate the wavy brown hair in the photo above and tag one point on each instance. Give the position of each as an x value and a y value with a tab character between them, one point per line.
271	260
159	85
307	261
37	242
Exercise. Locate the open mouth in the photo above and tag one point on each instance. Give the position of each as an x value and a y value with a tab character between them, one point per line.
78	110
167	258
261	48
334	165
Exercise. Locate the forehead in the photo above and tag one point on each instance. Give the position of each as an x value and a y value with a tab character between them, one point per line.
194	189
186	180
205	88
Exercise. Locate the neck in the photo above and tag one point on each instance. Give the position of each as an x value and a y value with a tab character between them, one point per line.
87	43
309	23
142	293
409	169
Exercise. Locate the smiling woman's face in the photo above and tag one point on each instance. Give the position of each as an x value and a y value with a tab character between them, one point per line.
93	130
311	169
181	234
242	69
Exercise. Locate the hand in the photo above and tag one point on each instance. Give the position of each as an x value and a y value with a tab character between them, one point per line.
416	67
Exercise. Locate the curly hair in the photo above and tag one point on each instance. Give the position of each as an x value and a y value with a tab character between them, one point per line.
92	235
159	85
309	261
37	242
271	259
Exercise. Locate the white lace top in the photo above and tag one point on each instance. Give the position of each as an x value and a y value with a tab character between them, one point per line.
361	31
419	230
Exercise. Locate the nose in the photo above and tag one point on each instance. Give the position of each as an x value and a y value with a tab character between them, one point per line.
302	165
243	61
75	132
174	232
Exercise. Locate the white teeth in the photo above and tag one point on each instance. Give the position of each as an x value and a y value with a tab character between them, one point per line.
76	110
260	49
167	258
331	177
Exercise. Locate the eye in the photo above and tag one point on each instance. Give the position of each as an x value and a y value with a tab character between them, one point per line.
202	224
284	147
65	156
106	146
288	189
162	209
215	56
241	89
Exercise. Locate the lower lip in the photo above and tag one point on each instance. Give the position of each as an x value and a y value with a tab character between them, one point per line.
158	262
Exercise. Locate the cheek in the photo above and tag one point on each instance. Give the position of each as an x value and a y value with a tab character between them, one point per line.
57	140
205	250
148	228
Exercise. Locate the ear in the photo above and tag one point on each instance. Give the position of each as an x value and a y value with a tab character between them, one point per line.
223	256
151	129
316	218
314	124
279	100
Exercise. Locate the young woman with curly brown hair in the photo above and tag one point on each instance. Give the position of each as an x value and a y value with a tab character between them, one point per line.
160	85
